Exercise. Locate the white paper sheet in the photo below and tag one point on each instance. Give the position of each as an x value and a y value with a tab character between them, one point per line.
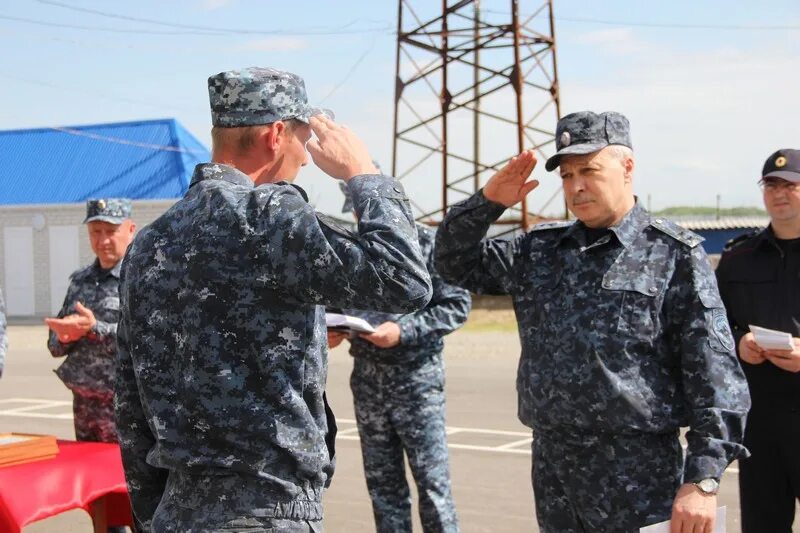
352	323
770	339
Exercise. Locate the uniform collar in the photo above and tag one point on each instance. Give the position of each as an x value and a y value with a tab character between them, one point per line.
766	237
631	224
113	271
218	171
626	229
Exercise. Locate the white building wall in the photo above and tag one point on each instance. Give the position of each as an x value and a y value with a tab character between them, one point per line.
40	218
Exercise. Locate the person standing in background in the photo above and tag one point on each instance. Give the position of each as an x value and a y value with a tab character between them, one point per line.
759	280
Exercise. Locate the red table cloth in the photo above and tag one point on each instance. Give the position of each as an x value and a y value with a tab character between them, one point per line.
81	474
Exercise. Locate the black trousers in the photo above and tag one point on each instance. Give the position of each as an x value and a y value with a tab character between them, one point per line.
769	480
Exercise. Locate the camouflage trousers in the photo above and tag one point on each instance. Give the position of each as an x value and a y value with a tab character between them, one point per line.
609	483
94	418
401	408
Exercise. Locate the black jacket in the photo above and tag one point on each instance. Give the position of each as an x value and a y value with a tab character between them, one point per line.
759	281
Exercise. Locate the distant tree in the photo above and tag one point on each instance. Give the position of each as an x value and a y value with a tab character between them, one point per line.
703	211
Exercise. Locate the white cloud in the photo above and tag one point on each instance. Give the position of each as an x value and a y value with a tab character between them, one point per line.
273	44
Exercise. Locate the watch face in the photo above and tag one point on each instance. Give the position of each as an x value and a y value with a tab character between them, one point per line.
709	486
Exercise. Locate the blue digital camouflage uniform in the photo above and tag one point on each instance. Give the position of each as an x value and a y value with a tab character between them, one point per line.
399	401
3	334
624	341
88	370
222	357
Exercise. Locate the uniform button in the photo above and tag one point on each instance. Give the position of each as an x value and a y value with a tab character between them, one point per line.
398	189
658	220
652	290
606	285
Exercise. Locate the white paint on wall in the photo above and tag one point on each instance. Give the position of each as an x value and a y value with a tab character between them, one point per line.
19	284
64	260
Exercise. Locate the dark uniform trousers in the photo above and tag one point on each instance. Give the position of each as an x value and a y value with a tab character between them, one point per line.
402	406
774	442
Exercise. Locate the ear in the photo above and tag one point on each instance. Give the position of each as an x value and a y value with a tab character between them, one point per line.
276	135
629	166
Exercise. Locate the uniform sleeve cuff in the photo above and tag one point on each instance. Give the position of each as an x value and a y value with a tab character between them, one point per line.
408	334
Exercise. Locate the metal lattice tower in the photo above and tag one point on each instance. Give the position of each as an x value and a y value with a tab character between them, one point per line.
476	83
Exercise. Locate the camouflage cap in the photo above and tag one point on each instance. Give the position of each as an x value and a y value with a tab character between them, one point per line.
585	132
113	210
255	96
783	164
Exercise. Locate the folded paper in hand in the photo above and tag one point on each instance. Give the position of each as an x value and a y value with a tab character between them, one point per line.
769	339
349	323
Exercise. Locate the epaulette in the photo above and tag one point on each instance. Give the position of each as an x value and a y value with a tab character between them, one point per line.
557	224
739	240
689	238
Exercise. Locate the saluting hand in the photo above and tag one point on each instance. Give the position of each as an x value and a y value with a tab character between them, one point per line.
509	186
73	327
387	335
337	151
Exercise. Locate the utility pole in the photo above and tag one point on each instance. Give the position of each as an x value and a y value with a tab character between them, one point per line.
474	86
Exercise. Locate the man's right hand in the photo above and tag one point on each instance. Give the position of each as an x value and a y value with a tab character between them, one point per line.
335	338
337	151
509	185
749	351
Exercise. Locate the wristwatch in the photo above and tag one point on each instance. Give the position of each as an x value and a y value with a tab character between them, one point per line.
709	486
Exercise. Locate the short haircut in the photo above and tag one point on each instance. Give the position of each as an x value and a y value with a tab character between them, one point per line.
242	139
620	152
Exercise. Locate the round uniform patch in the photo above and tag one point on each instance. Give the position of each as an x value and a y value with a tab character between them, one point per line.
780	162
565	139
722	330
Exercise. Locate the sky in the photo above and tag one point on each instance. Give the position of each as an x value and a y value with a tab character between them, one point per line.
711	88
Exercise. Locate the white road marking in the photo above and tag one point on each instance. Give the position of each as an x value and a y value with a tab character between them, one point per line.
351	433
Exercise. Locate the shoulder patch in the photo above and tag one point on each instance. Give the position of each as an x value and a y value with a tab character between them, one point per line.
689	238
739	240
558	224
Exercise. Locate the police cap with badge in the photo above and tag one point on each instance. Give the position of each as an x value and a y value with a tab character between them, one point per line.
112	210
783	164
256	96
586	132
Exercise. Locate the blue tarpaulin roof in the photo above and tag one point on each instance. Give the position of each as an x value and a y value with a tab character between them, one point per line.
144	160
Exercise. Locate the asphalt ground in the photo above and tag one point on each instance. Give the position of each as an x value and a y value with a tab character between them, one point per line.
490	457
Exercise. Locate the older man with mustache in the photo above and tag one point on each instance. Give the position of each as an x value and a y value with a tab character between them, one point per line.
624	340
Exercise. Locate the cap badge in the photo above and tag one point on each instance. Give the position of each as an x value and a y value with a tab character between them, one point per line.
101	204
780	162
565	139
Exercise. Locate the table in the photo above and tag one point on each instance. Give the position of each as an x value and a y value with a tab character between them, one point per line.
84	475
